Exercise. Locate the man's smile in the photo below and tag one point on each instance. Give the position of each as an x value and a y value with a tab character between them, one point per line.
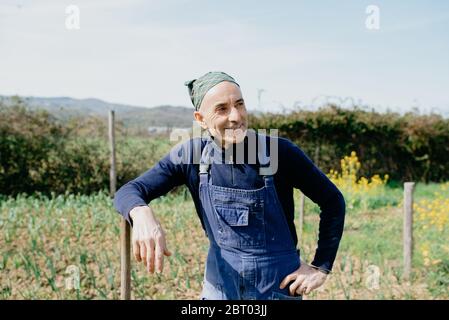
241	126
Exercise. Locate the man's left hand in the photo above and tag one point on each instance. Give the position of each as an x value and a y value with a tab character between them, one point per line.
305	279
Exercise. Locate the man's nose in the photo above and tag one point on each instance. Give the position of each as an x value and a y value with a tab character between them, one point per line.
234	115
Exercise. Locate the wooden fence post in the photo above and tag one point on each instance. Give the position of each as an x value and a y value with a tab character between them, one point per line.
125	232
408	228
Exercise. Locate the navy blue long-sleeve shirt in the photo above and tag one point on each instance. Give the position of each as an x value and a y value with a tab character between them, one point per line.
295	170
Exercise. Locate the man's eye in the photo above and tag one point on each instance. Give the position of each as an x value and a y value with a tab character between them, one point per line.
221	109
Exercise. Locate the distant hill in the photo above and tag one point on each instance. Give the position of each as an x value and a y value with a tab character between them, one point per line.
132	116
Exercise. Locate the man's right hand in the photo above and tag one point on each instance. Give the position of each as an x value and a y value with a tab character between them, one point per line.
148	239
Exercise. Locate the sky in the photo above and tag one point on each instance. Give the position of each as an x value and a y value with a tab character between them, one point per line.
284	54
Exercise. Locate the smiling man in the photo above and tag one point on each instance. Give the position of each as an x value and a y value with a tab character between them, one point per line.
245	207
220	108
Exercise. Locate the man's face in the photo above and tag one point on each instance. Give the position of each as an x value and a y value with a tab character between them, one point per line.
223	113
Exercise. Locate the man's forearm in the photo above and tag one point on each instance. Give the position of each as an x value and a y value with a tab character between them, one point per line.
330	233
155	182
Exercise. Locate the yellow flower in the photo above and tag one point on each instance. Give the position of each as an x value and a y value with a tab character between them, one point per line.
348	181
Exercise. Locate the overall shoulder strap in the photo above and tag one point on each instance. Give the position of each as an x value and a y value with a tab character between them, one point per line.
205	160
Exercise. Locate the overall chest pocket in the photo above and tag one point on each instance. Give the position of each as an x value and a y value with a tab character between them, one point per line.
240	225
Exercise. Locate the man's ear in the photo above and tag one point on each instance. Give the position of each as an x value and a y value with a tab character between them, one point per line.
199	119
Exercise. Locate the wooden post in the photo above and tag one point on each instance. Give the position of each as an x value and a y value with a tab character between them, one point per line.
125	255
125	261
301	217
112	173
408	228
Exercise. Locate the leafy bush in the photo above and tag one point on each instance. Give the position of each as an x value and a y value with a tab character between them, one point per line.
410	147
39	154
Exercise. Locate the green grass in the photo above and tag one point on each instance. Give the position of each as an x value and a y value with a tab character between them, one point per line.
373	236
43	237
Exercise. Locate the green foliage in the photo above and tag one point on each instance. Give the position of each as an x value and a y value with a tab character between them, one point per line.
25	141
408	147
44	236
40	154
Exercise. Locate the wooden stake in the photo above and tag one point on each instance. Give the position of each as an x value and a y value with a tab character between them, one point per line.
125	261
125	232
408	228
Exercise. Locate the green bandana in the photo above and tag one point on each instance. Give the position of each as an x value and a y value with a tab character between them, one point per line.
199	87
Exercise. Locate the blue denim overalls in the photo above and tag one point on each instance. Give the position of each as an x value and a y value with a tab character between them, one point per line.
251	249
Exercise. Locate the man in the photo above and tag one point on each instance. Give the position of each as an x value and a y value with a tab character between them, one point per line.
245	208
